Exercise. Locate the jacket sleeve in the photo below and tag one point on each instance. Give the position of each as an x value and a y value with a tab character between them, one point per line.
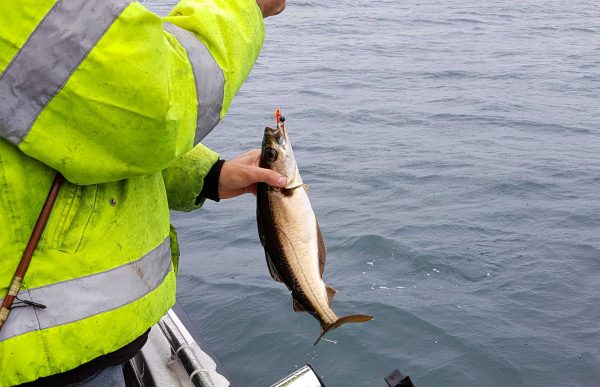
142	95
184	178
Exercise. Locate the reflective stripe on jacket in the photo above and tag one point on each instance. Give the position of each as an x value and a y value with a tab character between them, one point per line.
117	100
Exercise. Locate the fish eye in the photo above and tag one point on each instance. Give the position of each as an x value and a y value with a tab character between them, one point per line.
271	154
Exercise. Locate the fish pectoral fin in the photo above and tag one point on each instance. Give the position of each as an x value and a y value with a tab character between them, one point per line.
263	241
306	187
330	293
298	306
260	223
272	269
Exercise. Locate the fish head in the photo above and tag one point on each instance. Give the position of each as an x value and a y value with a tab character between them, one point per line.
277	154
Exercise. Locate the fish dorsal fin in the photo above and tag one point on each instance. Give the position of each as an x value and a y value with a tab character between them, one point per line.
330	294
272	269
322	249
297	306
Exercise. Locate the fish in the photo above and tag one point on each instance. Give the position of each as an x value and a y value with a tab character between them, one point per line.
290	235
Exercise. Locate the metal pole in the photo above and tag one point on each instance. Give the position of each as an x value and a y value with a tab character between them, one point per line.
17	280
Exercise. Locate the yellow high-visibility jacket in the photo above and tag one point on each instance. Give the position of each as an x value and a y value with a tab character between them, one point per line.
116	99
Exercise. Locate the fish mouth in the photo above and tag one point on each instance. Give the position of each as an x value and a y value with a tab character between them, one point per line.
278	134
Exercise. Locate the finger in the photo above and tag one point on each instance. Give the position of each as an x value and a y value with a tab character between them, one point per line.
271	7
251	157
262	175
228	194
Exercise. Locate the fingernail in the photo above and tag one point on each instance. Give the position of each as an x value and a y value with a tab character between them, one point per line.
281	180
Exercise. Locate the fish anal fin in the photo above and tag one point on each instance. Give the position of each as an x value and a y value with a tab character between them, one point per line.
330	293
356	318
298	306
322	249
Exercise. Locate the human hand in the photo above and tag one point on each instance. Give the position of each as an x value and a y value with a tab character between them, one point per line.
240	175
270	7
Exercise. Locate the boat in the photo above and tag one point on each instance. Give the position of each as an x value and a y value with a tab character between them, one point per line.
175	355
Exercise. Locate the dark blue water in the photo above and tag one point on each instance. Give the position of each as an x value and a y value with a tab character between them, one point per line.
453	154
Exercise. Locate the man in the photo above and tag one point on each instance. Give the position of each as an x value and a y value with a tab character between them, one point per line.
116	99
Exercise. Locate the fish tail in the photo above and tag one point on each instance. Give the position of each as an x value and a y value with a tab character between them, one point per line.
356	318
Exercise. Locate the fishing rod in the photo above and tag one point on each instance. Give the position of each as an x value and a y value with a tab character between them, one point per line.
17	280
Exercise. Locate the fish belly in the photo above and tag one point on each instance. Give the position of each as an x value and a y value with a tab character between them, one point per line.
296	228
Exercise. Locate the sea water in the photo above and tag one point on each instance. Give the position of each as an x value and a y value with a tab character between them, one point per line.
452	151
